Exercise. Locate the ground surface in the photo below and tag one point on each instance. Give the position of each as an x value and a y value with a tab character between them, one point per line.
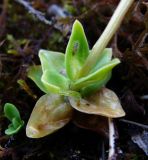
23	32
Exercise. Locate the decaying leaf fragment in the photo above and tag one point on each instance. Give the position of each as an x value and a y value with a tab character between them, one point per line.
50	113
104	103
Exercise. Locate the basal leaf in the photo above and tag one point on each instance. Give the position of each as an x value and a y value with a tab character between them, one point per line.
104	103
50	113
94	77
35	74
11	111
77	51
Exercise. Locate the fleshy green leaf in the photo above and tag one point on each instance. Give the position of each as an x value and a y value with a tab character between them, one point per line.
99	75
53	78
51	60
104	58
95	86
77	51
11	111
13	115
50	113
104	103
11	130
35	74
17	122
54	81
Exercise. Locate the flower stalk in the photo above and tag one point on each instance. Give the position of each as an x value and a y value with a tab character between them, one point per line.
106	36
112	153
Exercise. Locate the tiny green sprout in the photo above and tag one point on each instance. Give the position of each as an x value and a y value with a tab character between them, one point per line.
12	113
75	80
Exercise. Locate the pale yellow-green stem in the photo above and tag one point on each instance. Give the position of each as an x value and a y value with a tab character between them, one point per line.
112	137
106	36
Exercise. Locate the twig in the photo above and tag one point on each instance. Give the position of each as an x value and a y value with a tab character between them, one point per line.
112	154
39	15
134	123
35	12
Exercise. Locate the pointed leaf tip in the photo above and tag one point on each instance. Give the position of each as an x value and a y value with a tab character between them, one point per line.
77	22
77	51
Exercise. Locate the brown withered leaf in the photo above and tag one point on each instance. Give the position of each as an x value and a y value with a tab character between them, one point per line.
104	103
50	113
